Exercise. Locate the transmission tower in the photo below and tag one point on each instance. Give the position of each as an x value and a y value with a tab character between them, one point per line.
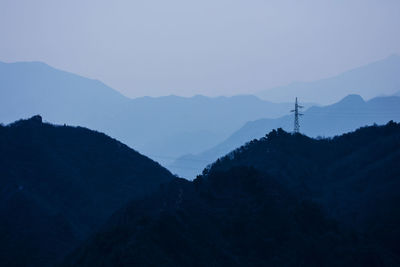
296	117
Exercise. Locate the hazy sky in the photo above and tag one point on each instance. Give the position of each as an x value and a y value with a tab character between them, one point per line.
211	47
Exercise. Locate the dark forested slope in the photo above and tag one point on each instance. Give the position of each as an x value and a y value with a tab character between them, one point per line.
354	168
283	200
59	183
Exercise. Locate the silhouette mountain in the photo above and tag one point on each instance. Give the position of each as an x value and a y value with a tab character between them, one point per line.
282	200
59	184
372	80
347	115
161	127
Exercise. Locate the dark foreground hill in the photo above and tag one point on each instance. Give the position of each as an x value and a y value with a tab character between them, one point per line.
59	183
283	200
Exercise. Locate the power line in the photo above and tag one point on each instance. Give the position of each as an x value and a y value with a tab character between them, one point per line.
296	116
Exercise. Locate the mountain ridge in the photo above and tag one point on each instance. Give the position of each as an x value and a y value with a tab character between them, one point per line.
63	97
346	115
369	81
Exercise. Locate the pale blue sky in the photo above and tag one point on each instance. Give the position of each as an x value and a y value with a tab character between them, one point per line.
210	47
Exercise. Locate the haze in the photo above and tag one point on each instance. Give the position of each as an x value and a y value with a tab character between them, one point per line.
199	47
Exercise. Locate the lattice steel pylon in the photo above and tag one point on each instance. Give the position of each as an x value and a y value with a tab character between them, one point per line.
296	117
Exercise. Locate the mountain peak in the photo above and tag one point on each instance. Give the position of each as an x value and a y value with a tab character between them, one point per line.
352	98
36	119
33	121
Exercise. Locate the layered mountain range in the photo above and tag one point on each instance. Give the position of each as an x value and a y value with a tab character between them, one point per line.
166	128
347	115
163	128
260	196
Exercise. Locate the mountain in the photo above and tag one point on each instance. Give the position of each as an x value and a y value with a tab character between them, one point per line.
29	88
58	184
282	200
355	176
163	128
166	127
347	115
372	80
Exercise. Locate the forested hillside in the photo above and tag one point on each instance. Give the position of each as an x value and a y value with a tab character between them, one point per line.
283	200
58	184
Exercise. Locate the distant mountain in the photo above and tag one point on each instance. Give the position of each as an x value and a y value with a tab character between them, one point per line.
162	127
29	88
58	184
167	127
347	115
372	80
283	200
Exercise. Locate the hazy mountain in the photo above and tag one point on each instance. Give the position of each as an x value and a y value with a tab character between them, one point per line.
375	79
283	200
346	115
58	184
29	88
163	127
167	127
